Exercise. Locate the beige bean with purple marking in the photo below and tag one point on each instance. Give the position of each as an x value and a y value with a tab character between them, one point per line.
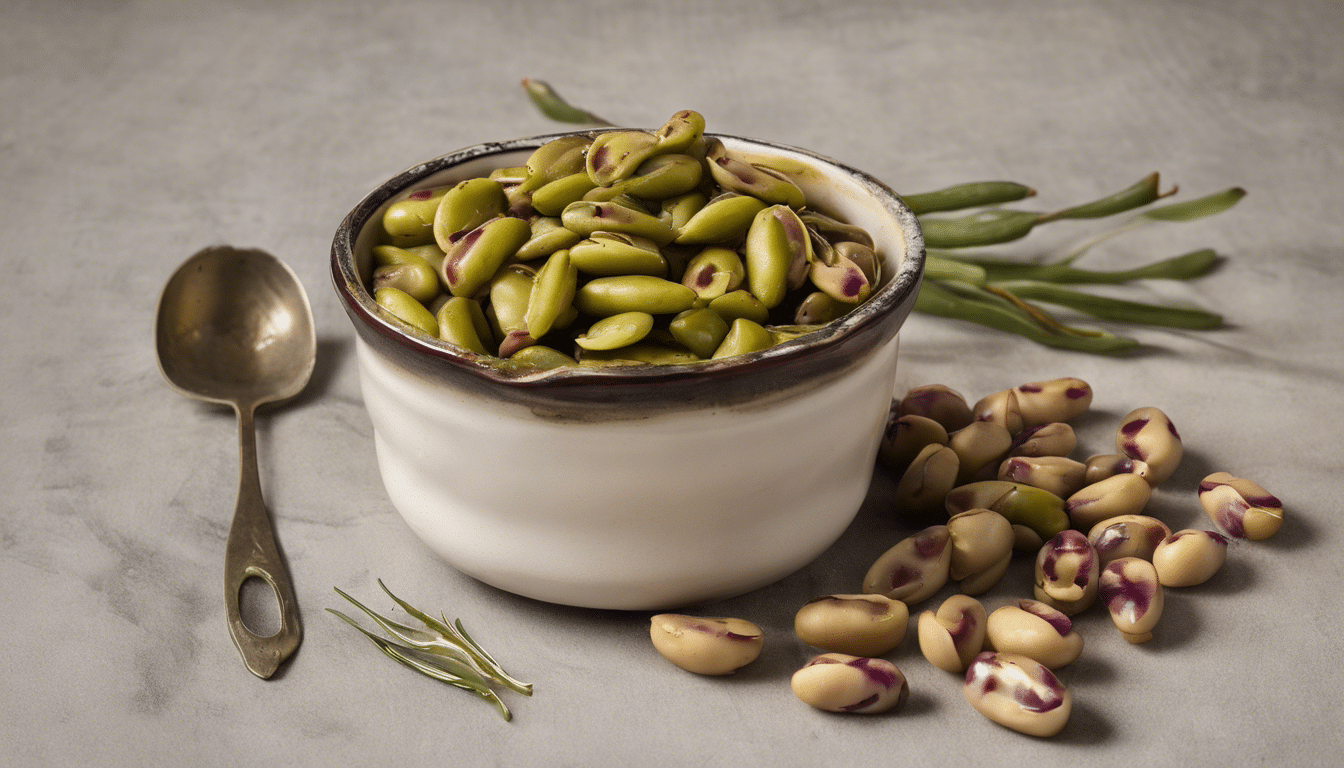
951	637
924	486
1059	475
914	569
838	682
1000	408
1127	536
1066	573
906	436
978	445
1018	692
1116	495
1189	557
1104	465
1035	630
938	402
1043	402
860	625
1053	439
706	646
1148	435
982	548
1241	507
1130	589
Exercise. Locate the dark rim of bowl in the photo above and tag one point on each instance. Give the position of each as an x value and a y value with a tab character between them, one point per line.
897	293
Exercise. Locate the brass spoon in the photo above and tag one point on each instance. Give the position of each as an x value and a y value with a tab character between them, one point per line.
234	326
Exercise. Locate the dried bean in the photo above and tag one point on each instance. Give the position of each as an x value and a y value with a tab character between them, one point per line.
1066	573
1127	536
978	445
1129	587
1000	408
906	436
1044	402
706	646
982	547
861	625
1240	506
1189	557
1148	435
1018	693
1053	439
940	403
1035	630
1104	465
838	682
925	483
953	636
1059	475
1116	495
914	569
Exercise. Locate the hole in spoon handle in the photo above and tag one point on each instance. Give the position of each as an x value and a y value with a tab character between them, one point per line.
252	551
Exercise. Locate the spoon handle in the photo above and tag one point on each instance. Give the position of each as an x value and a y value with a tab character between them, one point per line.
252	551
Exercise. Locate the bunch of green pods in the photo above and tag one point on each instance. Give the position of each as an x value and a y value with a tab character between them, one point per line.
627	247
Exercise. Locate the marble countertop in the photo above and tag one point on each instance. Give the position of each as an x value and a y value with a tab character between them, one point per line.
137	133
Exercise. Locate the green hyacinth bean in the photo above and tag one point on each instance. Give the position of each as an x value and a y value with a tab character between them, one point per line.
699	330
843	281
616	331
616	154
759	181
543	357
834	230
817	309
552	293
723	220
552	198
676	211
405	308
744	336
612	253
553	160
462	322
777	243
465	206
681	131
548	236
713	272
416	278
1035	508
410	221
740	304
477	255
657	178
510	292
586	217
606	296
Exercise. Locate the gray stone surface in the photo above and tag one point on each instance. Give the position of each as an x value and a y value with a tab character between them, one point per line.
135	133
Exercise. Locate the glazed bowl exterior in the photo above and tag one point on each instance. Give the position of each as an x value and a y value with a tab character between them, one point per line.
633	487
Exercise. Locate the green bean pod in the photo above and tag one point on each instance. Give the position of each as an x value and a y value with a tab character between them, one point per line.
972	195
724	220
462	322
606	296
606	254
478	255
406	309
744	336
699	330
465	206
552	293
585	218
998	225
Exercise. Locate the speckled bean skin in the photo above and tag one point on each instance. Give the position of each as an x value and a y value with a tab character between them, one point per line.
837	682
1104	465
978	445
859	625
1043	402
1130	590
924	485
1148	435
914	569
1053	439
1116	495
1189	557
1018	693
1059	475
982	546
905	437
1127	536
1066	573
706	646
1035	630
938	402
954	635
1000	408
1241	507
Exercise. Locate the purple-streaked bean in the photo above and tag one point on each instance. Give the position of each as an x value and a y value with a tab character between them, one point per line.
553	160
1241	507
1127	536
1018	692
1000	408
465	206
776	242
473	259
905	437
1059	475
1053	439
1038	509
1104	465
924	485
1035	630
615	155
940	403
1129	587
713	272
737	175
953	636
978	445
1066	573
860	625
1115	496
842	280
914	569
706	646
839	682
1189	557
1044	402
982	545
1148	435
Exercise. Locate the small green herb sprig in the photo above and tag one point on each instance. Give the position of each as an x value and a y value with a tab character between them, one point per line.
445	652
1008	294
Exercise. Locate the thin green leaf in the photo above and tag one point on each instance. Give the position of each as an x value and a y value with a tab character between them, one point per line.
1197	208
420	640
1122	310
555	107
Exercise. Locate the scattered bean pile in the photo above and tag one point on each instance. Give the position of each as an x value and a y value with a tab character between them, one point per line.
1000	471
630	247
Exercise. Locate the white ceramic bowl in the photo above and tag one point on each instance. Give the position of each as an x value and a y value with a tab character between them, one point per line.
633	487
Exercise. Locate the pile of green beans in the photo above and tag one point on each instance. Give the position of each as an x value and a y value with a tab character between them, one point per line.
630	247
